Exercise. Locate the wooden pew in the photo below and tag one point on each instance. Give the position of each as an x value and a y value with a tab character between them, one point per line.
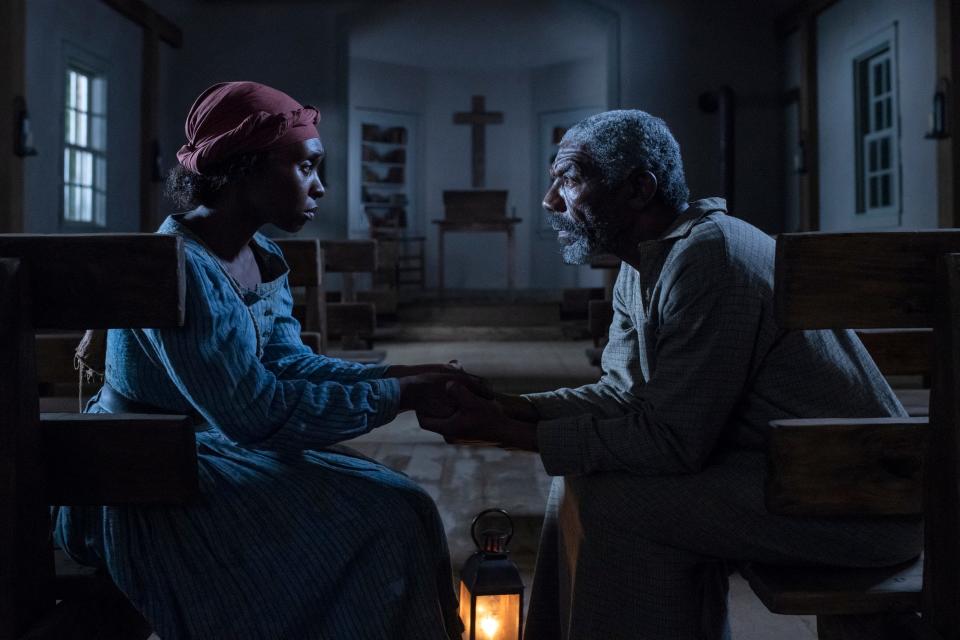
829	468
75	283
353	321
305	259
903	352
309	260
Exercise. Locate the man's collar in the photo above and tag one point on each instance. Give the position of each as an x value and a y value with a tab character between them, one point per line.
694	212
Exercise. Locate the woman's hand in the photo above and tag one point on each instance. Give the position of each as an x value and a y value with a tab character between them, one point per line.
427	393
406	370
480	420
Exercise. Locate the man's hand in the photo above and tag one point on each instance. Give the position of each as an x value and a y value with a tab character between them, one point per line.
517	407
480	420
426	393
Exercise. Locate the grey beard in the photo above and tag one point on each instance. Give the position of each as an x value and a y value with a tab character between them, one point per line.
588	241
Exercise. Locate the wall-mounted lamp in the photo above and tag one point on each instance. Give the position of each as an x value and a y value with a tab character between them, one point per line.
22	134
938	128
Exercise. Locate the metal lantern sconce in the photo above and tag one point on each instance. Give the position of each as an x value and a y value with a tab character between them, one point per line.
491	590
22	134
938	129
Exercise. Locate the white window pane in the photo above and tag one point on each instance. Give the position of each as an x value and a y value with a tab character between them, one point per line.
83	98
71	89
74	203
98	133
101	174
86	204
82	122
99	98
101	209
86	168
66	201
70	129
66	165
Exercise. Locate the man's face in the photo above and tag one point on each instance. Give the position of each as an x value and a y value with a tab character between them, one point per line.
585	213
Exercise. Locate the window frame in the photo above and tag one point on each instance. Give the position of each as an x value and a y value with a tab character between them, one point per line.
881	48
77	60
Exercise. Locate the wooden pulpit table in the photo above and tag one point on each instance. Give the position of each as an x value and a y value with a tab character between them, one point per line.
476	211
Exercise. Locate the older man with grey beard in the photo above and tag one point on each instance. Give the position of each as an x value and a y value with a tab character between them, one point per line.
660	466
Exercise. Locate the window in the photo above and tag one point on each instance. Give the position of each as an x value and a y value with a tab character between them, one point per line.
877	123
85	149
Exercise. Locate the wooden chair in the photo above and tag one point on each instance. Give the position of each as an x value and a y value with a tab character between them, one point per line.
878	467
305	259
75	283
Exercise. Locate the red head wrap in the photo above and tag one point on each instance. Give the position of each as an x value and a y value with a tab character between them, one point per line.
231	118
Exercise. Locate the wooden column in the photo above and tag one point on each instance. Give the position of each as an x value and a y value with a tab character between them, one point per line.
155	28
26	557
809	133
941	473
149	136
12	61
802	18
948	149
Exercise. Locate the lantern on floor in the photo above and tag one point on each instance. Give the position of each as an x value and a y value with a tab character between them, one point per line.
491	590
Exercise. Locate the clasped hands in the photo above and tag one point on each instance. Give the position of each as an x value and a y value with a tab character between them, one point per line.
462	408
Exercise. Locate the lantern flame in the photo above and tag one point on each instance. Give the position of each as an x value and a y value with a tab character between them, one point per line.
489	625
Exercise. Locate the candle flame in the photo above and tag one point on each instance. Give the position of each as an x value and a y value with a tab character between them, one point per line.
489	625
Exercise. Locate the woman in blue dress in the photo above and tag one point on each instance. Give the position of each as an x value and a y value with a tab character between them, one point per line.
291	537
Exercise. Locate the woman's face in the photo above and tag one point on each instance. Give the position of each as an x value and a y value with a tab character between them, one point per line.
285	192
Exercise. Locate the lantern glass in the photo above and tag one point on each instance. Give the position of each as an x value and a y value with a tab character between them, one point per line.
496	616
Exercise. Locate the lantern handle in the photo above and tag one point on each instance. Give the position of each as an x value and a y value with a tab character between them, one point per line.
473	527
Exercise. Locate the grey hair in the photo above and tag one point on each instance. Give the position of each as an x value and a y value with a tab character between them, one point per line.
620	141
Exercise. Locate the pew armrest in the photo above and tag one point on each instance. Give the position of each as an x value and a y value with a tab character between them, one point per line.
118	459
852	467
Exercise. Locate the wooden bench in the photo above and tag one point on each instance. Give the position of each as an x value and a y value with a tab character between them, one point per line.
836	468
76	283
350	319
305	259
903	352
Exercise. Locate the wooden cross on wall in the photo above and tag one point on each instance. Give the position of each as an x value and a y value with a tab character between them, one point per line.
478	119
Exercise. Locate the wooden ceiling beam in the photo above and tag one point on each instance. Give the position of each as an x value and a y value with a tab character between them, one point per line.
143	14
792	19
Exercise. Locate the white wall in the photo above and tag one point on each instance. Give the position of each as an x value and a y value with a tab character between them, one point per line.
791	133
290	45
565	86
839	29
673	51
92	29
478	260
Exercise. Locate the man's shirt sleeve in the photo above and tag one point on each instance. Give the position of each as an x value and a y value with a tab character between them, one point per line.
698	372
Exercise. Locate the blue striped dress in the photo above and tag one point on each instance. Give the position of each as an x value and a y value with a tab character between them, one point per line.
289	538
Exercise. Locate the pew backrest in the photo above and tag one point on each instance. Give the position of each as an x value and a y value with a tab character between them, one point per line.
898	280
305	258
76	282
